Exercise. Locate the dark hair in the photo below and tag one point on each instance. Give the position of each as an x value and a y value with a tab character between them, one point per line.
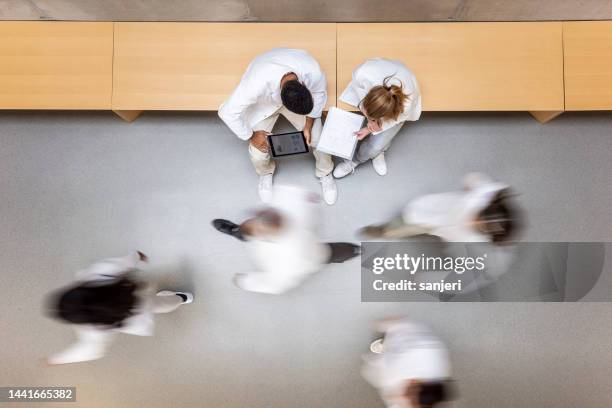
432	393
501	219
92	303
296	97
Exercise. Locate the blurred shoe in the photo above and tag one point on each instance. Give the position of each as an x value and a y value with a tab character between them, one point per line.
372	231
330	191
377	346
228	227
379	164
344	168
186	296
343	251
265	188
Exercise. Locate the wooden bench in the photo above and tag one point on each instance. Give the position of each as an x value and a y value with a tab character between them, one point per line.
588	65
466	66
195	66
131	67
55	65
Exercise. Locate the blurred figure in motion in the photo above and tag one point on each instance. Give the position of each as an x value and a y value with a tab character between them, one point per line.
481	212
409	366
283	242
109	297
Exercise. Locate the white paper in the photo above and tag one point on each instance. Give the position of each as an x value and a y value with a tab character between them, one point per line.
338	137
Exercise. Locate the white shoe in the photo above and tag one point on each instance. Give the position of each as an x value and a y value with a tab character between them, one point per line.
265	188
377	346
330	191
186	296
344	168
379	164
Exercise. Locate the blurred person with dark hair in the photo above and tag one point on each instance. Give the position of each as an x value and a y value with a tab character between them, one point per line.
109	297
286	82
482	212
409	366
284	243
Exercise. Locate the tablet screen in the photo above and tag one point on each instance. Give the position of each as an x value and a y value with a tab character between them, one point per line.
285	144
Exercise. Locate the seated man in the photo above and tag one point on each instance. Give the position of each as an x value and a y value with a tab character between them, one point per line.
286	82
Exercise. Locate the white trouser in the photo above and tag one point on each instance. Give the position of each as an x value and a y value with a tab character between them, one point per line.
92	342
262	161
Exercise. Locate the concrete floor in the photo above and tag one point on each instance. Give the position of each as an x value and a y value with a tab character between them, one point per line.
75	187
299	10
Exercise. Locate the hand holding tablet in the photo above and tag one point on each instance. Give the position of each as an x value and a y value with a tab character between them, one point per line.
286	144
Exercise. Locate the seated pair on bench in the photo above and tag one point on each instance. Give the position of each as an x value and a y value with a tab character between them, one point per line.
290	82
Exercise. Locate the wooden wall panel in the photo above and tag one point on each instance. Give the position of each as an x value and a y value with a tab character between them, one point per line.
466	66
588	65
193	66
55	65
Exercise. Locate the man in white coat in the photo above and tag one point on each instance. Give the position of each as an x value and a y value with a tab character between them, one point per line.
286	82
283	242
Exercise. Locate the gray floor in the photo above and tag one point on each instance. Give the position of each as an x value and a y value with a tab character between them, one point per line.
75	187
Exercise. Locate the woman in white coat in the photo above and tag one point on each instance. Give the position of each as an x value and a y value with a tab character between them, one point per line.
109	298
387	93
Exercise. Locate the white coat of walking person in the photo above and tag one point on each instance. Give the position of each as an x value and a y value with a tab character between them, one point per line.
410	366
388	94
286	82
109	298
283	242
482	211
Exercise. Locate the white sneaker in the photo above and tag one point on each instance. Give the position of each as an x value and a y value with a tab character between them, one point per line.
186	296
377	346
344	168
265	188
330	192
379	164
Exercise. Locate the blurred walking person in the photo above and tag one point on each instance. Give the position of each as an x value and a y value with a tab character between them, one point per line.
109	297
409	366
482	212
283	242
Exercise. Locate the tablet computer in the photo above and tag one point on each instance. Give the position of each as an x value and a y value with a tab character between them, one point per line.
285	144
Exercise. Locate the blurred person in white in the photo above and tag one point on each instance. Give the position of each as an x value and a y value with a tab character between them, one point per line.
387	93
283	242
409	366
287	82
109	297
482	212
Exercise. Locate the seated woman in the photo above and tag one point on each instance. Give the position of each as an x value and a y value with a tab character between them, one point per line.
387	93
109	298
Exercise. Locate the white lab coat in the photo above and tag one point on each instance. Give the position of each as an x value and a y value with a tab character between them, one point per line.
257	97
285	260
92	341
372	73
450	215
410	352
